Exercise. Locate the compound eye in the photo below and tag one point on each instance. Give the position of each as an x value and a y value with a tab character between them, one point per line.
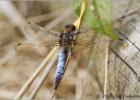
67	26
73	28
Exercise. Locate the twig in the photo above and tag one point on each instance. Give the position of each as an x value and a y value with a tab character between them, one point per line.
129	66
106	71
77	24
83	9
43	77
123	35
120	18
67	61
32	78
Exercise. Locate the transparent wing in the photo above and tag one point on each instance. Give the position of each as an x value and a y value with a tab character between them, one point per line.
30	47
86	37
46	38
41	32
88	41
89	37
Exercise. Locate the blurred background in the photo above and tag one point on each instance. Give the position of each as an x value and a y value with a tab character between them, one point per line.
84	79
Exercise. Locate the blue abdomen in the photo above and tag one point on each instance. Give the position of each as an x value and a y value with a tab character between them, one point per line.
61	61
60	67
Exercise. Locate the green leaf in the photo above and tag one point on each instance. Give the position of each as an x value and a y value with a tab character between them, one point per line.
98	16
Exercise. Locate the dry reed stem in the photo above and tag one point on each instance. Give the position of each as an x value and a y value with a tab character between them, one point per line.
32	78
106	70
35	74
77	24
43	77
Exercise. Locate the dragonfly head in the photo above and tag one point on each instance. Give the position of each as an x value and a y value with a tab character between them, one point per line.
70	27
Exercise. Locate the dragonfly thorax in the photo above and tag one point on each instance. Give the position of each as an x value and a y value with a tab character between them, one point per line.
67	37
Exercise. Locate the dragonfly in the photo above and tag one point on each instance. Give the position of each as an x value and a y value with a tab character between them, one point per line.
69	41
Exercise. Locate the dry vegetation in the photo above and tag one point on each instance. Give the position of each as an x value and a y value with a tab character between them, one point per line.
84	79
